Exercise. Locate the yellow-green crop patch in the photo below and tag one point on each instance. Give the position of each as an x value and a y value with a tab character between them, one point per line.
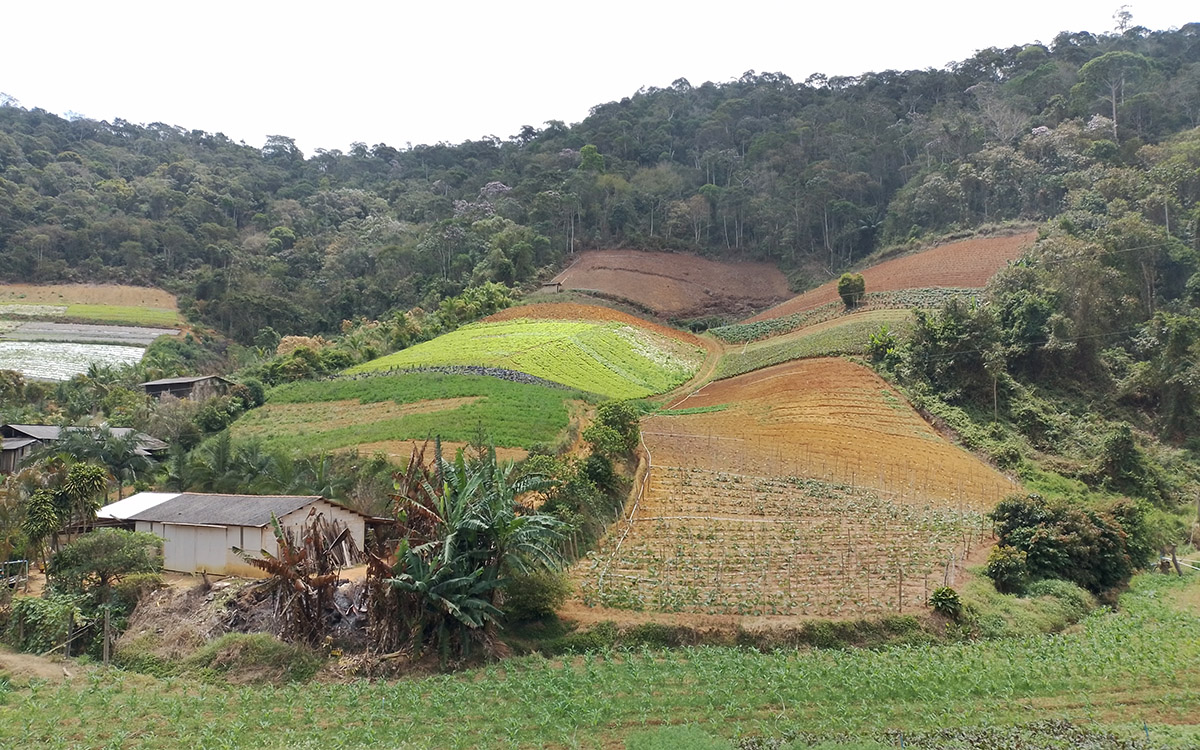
119	314
604	357
148	316
846	335
314	416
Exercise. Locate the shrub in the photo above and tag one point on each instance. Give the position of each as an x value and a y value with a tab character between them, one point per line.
946	601
94	562
39	624
1007	568
851	287
1096	549
615	432
535	595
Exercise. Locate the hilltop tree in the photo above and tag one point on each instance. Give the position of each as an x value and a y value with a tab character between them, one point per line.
1109	75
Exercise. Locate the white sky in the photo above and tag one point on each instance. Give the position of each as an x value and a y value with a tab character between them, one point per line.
400	72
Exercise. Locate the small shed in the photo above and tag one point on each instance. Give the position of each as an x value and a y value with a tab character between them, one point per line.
12	451
201	386
200	531
21	439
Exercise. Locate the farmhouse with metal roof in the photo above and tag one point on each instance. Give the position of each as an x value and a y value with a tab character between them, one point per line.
200	531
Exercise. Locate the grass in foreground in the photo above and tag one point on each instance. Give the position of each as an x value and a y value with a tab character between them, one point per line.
1114	672
314	416
604	357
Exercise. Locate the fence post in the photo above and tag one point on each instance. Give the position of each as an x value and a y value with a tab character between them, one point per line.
107	633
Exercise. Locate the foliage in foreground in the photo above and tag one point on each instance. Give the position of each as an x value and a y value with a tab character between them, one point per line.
1136	664
1096	549
461	535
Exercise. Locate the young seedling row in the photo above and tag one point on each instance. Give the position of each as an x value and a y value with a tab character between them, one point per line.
718	543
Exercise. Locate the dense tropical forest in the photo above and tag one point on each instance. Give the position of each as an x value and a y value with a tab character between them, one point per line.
814	174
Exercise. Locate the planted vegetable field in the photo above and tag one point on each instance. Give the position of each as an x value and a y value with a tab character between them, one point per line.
103	303
808	488
968	263
711	542
385	412
610	358
844	335
826	419
62	360
1129	673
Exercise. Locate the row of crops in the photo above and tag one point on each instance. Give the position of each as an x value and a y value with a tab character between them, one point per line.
604	357
851	337
709	542
313	416
899	299
49	360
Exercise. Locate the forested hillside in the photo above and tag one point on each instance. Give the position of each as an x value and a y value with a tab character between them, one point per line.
828	169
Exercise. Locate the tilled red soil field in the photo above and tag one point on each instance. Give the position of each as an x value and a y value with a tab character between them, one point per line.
676	284
964	264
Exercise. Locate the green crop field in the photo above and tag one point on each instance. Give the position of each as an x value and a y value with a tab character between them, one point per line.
1130	673
900	299
125	315
607	358
118	314
848	335
313	416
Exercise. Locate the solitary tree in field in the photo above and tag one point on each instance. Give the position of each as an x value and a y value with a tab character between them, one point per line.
851	287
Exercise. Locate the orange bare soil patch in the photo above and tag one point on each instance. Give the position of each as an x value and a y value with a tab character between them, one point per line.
814	491
677	284
968	264
827	419
88	294
573	311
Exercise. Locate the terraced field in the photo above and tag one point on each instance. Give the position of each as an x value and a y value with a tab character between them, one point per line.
101	303
389	413
711	542
807	488
968	263
844	335
676	284
605	356
57	331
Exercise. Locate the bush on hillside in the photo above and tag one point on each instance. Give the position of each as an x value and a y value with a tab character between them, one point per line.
1098	549
851	288
1007	568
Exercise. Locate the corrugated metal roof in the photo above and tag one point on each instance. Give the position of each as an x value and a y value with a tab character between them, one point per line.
224	510
37	431
11	444
48	432
183	381
123	509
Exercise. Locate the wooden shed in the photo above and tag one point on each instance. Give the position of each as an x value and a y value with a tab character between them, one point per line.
200	531
199	387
